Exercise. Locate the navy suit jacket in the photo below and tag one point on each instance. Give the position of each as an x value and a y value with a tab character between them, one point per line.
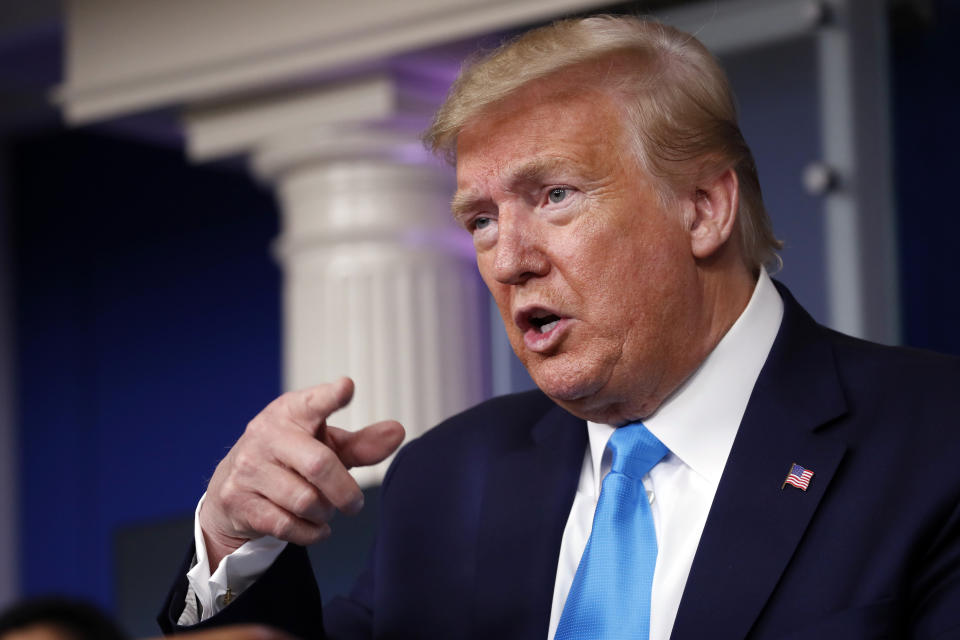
474	511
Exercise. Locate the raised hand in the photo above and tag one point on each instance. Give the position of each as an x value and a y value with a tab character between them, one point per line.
287	473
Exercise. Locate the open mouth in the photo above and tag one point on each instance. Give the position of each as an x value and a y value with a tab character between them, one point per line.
543	328
543	321
539	320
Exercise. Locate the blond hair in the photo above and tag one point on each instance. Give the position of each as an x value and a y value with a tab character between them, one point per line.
675	96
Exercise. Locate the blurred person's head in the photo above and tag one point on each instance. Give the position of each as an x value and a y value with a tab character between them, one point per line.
57	619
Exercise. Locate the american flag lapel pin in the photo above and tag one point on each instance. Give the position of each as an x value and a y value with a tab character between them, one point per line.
798	477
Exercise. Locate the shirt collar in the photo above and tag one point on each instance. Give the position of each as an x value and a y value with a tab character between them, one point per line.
699	421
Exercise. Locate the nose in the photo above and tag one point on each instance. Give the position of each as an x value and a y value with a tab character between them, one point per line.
519	250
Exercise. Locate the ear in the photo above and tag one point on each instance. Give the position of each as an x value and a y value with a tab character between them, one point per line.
714	210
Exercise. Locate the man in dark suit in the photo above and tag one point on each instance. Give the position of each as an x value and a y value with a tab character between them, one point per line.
809	484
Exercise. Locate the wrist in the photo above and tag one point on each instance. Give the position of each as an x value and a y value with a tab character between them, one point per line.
218	545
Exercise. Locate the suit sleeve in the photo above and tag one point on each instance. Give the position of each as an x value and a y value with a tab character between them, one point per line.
286	597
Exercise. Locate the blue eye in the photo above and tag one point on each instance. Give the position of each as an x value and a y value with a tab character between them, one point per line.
557	195
481	223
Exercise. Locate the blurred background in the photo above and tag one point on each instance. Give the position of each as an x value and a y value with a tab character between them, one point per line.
205	202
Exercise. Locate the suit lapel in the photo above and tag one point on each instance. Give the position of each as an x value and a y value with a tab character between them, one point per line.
754	526
526	501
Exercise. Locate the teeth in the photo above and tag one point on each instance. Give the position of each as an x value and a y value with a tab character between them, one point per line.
547	327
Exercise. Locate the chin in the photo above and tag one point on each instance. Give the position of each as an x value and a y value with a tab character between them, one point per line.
586	392
570	387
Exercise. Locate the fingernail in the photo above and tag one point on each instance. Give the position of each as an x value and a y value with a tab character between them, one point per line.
355	506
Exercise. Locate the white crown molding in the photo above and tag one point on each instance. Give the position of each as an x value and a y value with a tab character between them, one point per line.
141	54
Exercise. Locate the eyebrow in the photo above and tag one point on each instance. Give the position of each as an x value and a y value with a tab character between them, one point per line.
525	172
463	202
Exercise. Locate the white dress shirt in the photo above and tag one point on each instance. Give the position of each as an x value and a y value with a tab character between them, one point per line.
697	423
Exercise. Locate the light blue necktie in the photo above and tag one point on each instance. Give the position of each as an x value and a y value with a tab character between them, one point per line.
610	595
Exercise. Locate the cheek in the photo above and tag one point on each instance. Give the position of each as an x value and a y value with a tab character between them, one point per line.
603	266
626	281
485	267
648	254
502	301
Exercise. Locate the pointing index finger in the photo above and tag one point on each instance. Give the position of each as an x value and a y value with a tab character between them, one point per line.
310	407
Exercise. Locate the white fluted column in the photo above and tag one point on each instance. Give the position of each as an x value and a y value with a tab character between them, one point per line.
379	284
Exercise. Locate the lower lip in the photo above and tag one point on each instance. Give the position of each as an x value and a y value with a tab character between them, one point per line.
543	342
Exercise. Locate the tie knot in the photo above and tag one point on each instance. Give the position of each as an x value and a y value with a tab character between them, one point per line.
635	450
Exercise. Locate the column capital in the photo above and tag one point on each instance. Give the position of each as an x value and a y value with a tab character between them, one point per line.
393	141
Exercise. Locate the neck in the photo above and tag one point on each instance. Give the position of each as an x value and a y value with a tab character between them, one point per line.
725	296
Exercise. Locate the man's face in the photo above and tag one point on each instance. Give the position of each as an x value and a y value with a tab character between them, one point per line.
594	279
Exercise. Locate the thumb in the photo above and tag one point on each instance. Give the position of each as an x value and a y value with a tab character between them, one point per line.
367	446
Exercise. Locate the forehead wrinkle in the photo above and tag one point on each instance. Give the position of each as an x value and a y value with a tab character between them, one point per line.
532	170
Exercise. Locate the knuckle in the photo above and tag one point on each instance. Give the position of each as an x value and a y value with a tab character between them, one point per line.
290	401
281	526
304	501
256	426
321	464
229	493
245	463
287	398
260	523
313	402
